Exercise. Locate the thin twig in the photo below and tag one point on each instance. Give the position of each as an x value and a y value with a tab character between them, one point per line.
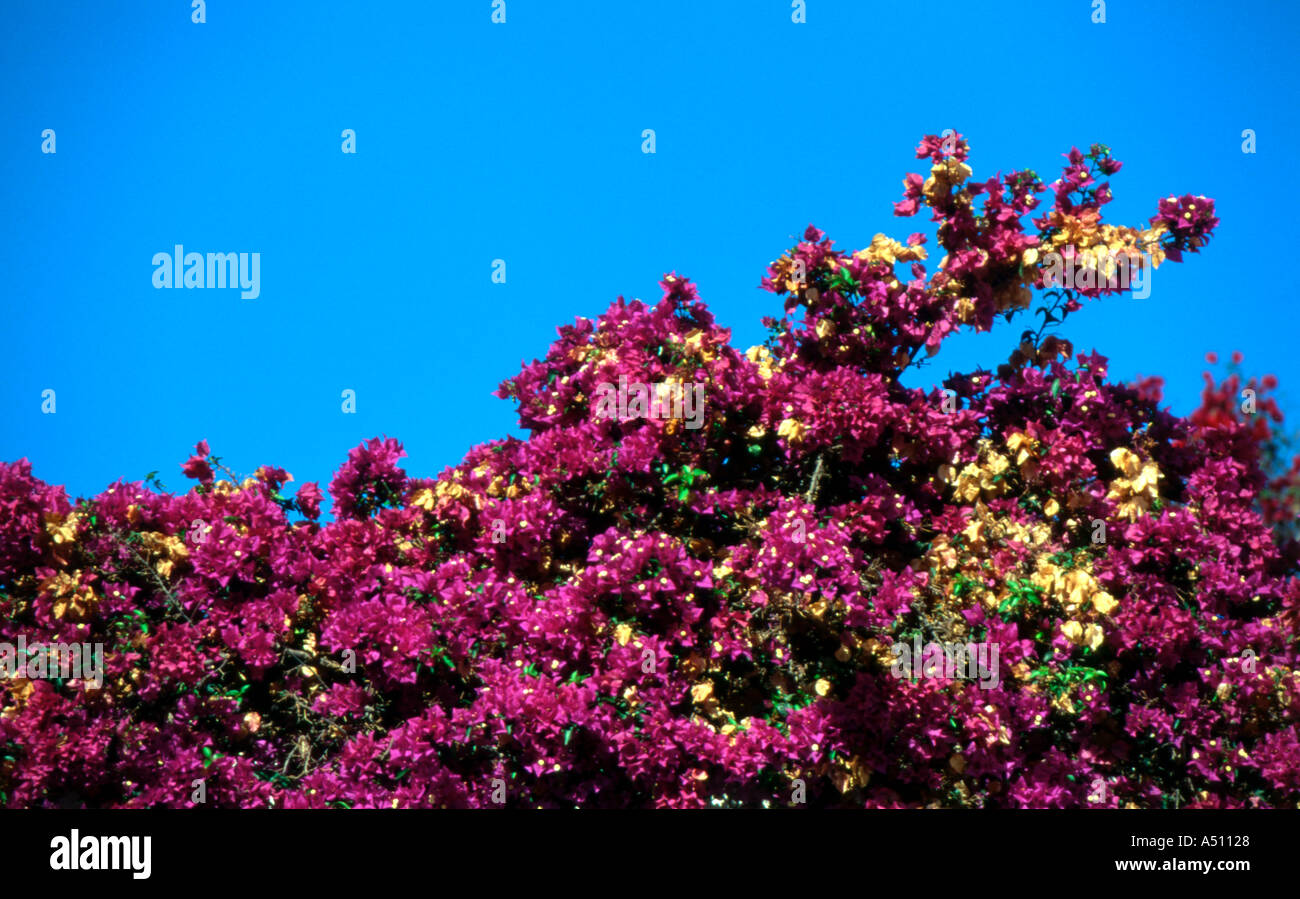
811	495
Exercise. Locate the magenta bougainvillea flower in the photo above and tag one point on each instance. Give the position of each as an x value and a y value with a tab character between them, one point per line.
624	611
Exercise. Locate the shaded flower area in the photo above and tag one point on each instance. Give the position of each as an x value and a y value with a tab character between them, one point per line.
621	611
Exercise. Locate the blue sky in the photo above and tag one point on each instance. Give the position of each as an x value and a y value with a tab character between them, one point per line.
522	142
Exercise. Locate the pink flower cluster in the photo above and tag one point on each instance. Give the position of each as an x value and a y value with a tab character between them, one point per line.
634	613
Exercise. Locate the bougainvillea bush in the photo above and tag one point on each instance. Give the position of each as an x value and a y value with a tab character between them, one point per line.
628	612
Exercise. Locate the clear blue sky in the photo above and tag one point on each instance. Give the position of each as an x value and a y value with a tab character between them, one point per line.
522	141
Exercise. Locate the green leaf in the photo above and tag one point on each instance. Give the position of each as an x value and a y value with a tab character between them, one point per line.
1056	387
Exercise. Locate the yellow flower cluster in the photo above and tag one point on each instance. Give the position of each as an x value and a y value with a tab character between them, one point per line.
19	688
1024	449
965	310
500	486
72	599
784	273
62	531
61	528
1071	592
171	549
1078	634
888	250
985	479
762	357
983	526
791	429
445	493
983	535
697	344
943	177
849	773
1137	488
982	479
1097	245
1073	589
